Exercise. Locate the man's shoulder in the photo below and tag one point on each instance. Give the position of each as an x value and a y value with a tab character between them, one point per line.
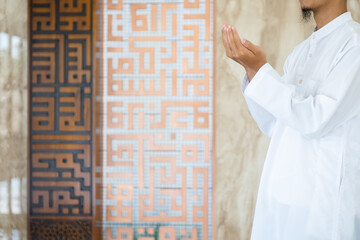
354	26
351	34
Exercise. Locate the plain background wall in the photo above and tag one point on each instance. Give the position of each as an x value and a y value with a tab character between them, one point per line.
240	146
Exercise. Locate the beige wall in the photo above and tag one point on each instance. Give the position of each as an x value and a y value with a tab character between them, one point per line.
13	118
240	146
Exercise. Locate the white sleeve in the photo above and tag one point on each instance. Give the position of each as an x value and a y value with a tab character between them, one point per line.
336	101
264	119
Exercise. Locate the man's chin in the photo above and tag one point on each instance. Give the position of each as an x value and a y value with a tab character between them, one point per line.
306	14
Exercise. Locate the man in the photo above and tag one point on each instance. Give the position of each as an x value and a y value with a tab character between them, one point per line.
310	184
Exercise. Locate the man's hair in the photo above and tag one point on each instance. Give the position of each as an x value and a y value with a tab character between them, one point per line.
306	14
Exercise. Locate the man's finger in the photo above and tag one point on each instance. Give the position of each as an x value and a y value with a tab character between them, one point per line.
231	39
223	29
237	39
227	31
225	41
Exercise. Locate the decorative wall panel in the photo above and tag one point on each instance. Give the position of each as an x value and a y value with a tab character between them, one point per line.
58	229
155	173
61	116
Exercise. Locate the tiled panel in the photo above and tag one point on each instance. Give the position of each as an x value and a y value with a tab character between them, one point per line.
155	177
61	109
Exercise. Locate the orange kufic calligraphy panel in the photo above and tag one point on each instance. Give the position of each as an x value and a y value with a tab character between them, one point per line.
61	140
156	169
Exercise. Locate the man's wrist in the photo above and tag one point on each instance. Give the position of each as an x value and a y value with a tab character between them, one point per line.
251	72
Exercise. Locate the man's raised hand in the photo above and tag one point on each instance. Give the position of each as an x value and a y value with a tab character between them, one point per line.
250	56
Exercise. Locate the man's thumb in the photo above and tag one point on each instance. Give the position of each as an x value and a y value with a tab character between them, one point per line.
249	45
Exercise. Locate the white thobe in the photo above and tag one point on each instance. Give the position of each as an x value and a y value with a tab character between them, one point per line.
310	183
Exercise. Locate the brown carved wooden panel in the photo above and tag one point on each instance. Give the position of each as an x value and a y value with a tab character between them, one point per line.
61	179
58	229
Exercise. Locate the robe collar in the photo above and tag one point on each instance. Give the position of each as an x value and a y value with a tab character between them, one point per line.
331	26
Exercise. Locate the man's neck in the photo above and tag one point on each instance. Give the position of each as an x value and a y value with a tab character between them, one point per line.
328	13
